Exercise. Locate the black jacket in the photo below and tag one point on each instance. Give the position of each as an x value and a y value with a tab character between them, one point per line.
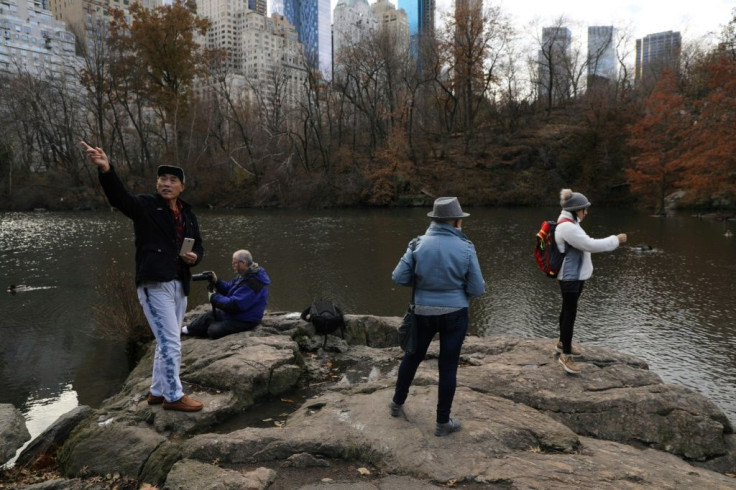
156	245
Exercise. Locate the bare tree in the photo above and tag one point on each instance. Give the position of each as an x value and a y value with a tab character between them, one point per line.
624	76
475	42
728	37
514	93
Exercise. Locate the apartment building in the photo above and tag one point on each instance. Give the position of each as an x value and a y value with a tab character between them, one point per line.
656	52
263	58
84	12
273	57
353	23
394	23
32	41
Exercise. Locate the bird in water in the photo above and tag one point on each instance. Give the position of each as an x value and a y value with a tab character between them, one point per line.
13	288
643	247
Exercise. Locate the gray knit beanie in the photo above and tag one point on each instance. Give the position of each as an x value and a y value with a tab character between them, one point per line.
573	201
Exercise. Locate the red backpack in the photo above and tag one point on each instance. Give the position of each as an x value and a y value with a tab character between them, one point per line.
548	256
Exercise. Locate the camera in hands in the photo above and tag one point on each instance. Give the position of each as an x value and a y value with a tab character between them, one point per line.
206	276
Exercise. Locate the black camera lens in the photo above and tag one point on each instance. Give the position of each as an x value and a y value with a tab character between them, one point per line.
203	276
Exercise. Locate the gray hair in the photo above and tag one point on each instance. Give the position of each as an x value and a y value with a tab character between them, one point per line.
245	256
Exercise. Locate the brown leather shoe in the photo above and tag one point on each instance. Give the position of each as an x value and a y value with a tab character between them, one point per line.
155	400
184	404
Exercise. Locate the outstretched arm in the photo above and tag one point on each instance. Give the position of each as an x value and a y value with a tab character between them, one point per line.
98	157
576	237
114	190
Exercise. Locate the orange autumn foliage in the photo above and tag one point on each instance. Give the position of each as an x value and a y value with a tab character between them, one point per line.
657	140
709	158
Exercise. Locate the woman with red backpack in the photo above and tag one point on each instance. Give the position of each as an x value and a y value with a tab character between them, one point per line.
577	267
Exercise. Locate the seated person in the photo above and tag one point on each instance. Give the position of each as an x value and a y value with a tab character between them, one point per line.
237	305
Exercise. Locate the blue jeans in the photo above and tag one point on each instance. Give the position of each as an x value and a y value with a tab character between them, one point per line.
452	328
164	305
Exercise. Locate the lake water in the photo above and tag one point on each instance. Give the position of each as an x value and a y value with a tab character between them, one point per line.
673	306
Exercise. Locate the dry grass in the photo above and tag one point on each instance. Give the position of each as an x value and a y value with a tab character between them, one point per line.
118	314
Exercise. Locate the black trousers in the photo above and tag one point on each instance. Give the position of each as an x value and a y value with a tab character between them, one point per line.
571	291
208	325
452	328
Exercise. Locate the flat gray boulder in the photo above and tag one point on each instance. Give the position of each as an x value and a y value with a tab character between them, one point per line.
229	375
107	448
614	398
501	443
526	424
46	443
188	474
13	431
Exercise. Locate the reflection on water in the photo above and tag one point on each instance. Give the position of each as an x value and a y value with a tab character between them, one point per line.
42	412
671	306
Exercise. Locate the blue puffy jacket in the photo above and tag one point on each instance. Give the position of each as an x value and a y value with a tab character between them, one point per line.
244	298
447	268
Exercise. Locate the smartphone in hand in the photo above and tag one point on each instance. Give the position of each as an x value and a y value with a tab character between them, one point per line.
186	247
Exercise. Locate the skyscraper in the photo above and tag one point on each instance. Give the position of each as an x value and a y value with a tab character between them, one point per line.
311	18
420	14
602	63
258	6
655	52
263	57
353	22
553	63
88	18
82	12
394	23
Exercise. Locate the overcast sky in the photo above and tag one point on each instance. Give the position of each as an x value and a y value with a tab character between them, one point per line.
693	18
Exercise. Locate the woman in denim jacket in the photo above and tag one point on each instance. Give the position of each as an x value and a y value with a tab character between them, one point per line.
443	267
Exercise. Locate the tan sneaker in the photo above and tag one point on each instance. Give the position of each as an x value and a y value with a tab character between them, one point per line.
574	351
184	404
566	362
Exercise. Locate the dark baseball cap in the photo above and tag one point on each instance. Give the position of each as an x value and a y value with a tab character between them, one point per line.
171	170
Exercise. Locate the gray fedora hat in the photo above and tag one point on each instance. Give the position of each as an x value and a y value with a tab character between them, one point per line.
447	208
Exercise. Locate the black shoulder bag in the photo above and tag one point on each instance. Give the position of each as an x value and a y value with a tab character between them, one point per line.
408	327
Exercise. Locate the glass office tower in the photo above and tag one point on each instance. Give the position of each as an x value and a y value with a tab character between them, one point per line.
420	14
602	61
311	18
656	52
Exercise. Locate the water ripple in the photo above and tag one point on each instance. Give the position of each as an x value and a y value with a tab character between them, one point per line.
672	306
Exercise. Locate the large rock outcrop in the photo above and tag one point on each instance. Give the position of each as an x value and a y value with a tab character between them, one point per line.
526	424
615	398
501	442
13	432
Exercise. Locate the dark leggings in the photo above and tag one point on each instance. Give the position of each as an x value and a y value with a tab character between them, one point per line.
207	325
452	328
571	291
